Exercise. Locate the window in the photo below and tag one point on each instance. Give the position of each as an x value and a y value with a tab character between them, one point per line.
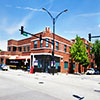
41	43
65	48
90	48
69	49
35	44
14	48
87	47
57	46
47	43
74	66
65	65
52	44
19	49
61	59
9	48
28	48
24	48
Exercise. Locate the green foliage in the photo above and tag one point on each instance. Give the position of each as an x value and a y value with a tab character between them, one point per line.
78	52
0	50
96	51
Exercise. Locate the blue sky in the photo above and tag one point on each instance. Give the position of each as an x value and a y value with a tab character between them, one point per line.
83	17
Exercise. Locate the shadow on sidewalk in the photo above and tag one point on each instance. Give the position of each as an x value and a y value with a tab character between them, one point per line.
78	97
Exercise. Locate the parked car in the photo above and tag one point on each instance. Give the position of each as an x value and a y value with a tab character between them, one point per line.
4	67
0	66
97	71
92	71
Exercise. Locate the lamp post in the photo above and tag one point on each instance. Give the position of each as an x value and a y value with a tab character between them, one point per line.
54	21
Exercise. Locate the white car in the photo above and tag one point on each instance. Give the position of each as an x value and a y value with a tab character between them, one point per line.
4	67
90	71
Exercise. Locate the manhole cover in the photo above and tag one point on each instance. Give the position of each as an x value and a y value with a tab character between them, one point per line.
41	82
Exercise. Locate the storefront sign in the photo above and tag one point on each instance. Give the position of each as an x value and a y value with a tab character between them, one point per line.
15	62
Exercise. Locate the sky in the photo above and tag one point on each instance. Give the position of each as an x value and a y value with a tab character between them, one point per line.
82	18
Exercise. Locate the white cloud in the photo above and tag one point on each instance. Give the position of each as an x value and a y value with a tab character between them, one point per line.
99	25
90	14
3	45
14	27
32	9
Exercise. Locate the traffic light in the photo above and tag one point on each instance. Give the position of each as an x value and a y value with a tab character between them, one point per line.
22	28
89	36
40	37
22	31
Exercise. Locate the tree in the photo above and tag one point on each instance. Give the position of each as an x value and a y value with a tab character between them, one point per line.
0	50
79	53
96	51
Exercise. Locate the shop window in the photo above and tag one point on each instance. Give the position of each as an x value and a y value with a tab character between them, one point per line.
41	43
9	48
28	48
24	48
19	49
47	43
65	48
14	49
35	44
65	65
57	64
73	66
57	46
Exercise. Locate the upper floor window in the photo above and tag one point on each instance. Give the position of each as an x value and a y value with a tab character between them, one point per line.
35	44
90	48
65	48
52	44
57	45
69	49
14	48
41	43
24	48
28	48
19	49
9	48
47	43
87	47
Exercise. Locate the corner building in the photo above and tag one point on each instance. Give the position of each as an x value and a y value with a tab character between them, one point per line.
32	50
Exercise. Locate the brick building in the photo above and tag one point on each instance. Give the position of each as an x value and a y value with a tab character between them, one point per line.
32	51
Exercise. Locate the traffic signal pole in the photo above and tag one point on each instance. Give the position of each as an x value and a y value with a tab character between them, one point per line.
92	36
27	33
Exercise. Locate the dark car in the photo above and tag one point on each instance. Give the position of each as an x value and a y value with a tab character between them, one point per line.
0	66
96	71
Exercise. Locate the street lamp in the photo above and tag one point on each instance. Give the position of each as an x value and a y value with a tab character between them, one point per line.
54	20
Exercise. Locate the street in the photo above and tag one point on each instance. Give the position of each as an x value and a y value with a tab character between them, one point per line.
20	85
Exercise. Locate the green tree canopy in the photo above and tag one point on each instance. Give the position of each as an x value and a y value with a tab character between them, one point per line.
96	51
79	53
0	50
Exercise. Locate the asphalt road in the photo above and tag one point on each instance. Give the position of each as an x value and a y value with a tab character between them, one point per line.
20	85
13	88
